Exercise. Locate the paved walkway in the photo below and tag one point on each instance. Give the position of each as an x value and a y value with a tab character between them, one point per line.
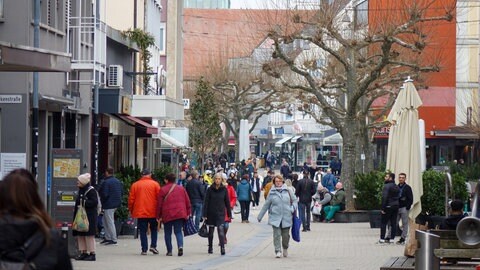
329	246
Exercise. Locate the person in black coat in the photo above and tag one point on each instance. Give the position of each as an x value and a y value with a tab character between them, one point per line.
304	190
89	197
196	194
216	204
390	203
23	217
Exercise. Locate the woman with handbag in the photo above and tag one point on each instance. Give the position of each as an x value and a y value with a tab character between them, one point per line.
88	199
173	210
281	203
23	218
214	207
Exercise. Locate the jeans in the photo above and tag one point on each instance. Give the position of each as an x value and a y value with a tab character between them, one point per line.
389	216
256	198
143	226
282	233
304	213
245	209
109	225
403	215
197	212
330	211
177	226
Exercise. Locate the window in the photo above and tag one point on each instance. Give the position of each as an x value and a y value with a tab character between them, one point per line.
361	14
162	38
1	9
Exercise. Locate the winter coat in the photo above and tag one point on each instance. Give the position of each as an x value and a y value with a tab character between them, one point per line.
215	204
280	204
285	171
329	181
143	199
195	191
405	196
323	197
390	195
451	222
232	195
339	198
255	182
91	203
305	190
14	232
267	188
110	192
175	206
243	191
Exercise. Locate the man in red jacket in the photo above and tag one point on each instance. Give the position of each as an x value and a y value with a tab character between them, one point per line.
142	203
173	209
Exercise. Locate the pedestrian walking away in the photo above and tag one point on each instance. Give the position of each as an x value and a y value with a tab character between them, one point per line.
142	203
244	191
304	191
255	184
216	204
280	204
110	192
23	218
172	210
196	194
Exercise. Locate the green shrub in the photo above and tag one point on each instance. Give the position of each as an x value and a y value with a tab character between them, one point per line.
433	199
368	190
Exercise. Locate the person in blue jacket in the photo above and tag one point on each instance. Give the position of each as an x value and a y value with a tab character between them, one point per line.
110	192
243	196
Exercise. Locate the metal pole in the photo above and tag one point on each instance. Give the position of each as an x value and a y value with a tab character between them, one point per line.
95	135
36	44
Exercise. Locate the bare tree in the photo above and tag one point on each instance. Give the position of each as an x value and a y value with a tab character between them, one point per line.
362	61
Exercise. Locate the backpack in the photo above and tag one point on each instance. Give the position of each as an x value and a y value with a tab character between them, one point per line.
99	205
20	258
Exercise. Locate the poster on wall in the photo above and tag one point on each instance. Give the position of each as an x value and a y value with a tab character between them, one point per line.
11	161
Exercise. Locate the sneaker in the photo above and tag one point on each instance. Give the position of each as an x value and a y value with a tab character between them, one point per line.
278	255
401	241
387	240
153	250
90	257
81	256
168	253
111	242
180	251
246	221
143	253
104	241
381	241
285	253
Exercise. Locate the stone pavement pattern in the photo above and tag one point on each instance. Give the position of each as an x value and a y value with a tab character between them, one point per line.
329	246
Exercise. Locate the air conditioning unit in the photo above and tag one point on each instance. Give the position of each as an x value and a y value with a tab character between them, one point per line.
115	76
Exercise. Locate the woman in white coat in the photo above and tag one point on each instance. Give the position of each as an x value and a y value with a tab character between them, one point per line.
280	203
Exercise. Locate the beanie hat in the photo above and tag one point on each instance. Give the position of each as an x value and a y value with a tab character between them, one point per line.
84	178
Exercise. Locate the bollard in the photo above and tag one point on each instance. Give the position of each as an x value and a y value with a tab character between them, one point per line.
424	257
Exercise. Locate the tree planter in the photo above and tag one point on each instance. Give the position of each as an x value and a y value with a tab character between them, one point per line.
351	216
375	218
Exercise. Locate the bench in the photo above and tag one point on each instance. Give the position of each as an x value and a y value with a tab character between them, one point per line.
408	263
452	249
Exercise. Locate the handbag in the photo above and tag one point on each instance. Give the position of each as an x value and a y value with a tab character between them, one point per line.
80	222
296	222
203	231
189	227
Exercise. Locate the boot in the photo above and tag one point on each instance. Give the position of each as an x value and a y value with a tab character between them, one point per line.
81	256
222	250
90	257
225	237
210	240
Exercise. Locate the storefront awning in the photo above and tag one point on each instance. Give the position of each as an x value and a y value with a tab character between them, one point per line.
296	139
149	128
333	139
282	141
170	140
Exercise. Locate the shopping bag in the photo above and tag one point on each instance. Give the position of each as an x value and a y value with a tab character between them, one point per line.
316	208
237	208
189	227
80	222
296	223
203	231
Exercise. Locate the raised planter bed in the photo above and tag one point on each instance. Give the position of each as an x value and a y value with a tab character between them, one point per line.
351	216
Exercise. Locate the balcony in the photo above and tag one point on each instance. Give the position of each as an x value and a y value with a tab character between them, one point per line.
158	107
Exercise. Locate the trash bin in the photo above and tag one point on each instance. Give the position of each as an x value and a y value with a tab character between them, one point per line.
424	257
